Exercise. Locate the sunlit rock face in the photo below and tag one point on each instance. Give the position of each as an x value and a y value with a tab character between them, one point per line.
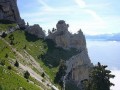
9	11
78	66
65	39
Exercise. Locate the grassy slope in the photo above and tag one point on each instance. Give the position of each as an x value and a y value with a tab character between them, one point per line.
9	80
5	27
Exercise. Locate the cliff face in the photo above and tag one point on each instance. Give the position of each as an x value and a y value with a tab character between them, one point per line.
65	39
9	11
78	66
36	30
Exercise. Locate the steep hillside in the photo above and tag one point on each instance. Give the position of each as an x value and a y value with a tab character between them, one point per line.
24	48
10	80
35	55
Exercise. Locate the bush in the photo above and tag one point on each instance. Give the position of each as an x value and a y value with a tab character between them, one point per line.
3	35
2	62
11	37
16	64
11	42
43	75
9	67
26	75
6	55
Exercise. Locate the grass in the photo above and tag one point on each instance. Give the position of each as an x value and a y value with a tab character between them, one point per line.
12	81
34	46
5	50
5	27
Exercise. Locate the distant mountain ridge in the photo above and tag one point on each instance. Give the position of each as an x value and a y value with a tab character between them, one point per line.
106	37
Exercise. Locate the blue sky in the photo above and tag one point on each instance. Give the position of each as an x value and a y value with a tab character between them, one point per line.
92	16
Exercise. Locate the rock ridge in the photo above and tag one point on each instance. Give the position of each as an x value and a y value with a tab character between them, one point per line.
9	11
78	66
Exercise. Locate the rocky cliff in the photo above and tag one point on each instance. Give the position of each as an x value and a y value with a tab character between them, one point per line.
9	11
36	30
78	66
65	39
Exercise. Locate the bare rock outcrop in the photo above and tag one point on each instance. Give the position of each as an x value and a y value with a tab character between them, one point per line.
36	30
9	11
63	38
78	66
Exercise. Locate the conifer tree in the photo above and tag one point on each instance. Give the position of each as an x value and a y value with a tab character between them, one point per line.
99	79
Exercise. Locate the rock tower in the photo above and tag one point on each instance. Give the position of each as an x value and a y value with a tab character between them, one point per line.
78	66
9	11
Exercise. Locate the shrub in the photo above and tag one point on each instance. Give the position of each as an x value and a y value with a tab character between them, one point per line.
9	67
43	75
26	75
3	35
2	62
16	64
11	37
6	55
11	42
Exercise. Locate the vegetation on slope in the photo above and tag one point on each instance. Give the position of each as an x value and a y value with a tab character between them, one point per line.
9	80
55	54
5	27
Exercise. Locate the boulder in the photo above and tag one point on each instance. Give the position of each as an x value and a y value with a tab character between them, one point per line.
36	30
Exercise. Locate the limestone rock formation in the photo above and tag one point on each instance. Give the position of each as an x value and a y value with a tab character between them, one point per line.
36	30
9	11
63	38
78	66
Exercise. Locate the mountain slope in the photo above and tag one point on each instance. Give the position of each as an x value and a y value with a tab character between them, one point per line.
37	56
17	52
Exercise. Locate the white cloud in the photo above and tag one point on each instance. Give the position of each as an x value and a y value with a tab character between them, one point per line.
44	4
96	23
81	3
116	80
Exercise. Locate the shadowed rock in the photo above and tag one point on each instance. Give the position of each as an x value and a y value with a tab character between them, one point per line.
9	12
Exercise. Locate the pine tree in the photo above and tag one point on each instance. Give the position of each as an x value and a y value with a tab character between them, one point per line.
61	73
16	64
26	75
99	78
